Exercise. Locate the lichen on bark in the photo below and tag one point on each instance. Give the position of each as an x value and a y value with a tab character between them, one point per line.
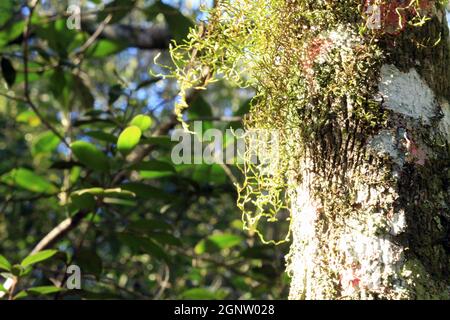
364	147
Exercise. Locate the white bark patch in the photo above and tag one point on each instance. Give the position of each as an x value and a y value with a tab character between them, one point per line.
385	143
373	260
444	125
407	93
302	258
398	223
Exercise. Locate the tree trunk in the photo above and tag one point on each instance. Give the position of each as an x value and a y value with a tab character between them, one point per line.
393	240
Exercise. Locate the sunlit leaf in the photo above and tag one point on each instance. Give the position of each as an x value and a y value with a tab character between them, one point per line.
105	47
4	264
129	139
141	121
37	257
28	180
44	290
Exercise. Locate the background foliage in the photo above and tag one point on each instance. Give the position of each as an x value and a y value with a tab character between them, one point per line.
85	133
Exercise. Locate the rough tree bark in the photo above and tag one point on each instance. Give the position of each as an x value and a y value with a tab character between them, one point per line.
394	240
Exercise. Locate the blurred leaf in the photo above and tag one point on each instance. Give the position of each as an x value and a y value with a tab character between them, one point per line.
11	32
199	108
83	201
4	264
45	143
178	24
120	202
90	156
58	36
104	48
8	72
89	261
21	295
198	294
44	290
6	11
141	121
164	238
147	226
102	136
82	94
118	8
154	249
37	257
28	180
140	244
114	93
29	117
225	241
129	139
147	83
146	191
162	141
217	242
154	165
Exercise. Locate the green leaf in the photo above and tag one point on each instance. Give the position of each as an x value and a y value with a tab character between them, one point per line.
140	244
2	288
6	11
146	191
154	165
118	8
102	136
37	257
82	94
90	156
217	242
8	72
154	169
225	241
129	139
141	121
164	238
119	202
58	36
114	93
104	48
11	32
28	117
21	295
198	294
147	83
178	24
199	107
153	249
44	290
46	142
89	261
200	247
83	201
4	264
28	180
